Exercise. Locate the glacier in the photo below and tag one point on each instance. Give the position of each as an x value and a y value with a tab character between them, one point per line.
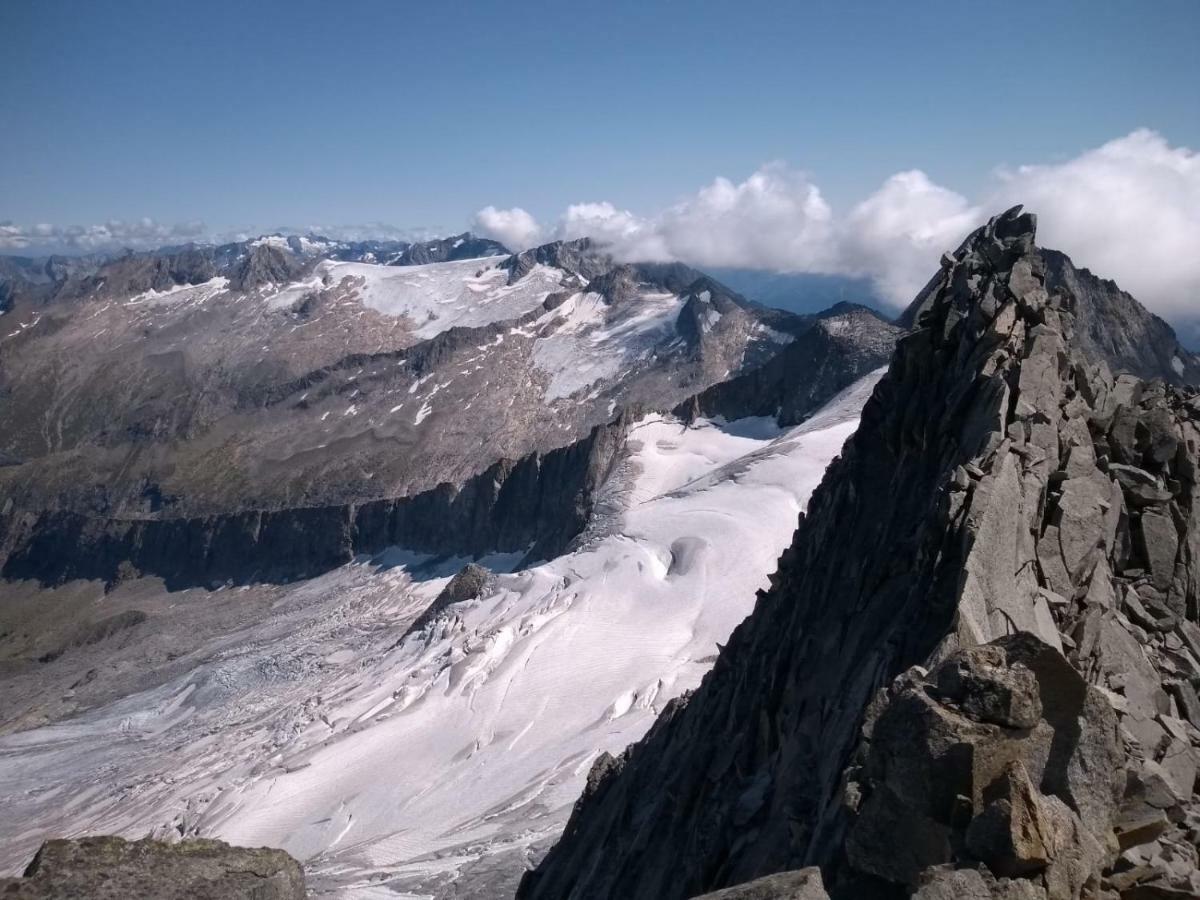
403	763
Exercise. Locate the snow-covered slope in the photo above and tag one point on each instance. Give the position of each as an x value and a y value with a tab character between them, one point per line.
395	763
433	297
586	339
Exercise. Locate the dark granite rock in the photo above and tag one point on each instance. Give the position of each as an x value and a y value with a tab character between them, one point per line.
459	246
972	507
265	264
830	354
583	258
468	583
538	504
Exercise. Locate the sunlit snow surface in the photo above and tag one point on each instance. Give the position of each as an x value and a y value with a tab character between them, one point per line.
387	764
433	297
586	339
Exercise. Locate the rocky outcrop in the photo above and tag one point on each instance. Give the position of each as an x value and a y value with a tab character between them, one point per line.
1110	326
459	246
110	868
975	672
136	273
581	257
1003	756
835	351
470	582
536	505
265	264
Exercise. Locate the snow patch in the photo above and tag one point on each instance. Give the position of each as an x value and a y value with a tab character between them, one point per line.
440	296
585	340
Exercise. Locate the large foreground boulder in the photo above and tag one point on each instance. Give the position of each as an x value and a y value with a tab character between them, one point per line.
1002	756
111	868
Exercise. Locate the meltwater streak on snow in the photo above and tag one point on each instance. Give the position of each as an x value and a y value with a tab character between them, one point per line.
389	765
434	297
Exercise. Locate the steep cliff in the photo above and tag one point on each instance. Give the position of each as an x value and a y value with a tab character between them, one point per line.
536	505
841	346
974	673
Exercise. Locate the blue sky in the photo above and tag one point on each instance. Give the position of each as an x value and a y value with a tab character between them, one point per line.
417	114
854	139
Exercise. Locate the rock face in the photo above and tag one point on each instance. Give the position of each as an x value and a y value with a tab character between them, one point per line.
265	264
580	257
110	868
841	346
975	672
1003	755
1110	325
460	246
537	504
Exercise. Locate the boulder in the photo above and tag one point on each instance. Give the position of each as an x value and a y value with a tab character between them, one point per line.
803	884
111	868
1003	755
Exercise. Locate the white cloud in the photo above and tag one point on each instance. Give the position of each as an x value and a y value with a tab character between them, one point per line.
775	219
1128	210
111	235
514	228
624	234
897	235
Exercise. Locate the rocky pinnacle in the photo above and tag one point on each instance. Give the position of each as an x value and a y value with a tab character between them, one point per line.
974	674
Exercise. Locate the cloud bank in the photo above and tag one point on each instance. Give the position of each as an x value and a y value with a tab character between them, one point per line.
1129	210
140	234
148	234
514	228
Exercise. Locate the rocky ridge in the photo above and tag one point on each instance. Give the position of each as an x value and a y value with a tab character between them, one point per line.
975	672
841	346
535	506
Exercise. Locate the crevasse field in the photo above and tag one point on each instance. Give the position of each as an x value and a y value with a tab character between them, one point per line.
396	764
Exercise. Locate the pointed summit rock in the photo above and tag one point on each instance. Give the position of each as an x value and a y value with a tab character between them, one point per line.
265	263
974	528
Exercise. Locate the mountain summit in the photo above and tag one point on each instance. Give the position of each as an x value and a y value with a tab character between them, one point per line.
973	674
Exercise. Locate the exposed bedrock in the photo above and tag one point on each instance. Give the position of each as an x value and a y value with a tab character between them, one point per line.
975	672
535	505
841	347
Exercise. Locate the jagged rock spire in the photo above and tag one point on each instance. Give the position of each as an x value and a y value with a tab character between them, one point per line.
983	500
